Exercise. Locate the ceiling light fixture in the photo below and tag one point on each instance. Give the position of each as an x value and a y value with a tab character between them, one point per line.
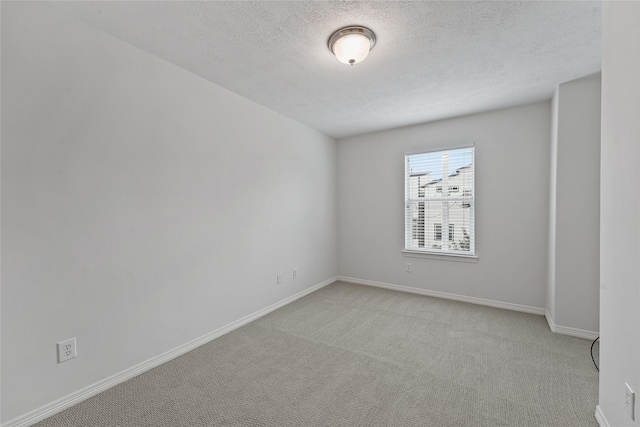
352	44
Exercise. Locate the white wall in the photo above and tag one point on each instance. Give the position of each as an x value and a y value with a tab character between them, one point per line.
512	205
142	206
574	242
620	212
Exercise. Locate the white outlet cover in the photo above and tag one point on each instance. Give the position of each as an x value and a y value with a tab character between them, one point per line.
67	350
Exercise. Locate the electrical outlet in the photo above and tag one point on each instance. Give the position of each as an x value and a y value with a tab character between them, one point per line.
629	401
67	350
295	273
278	278
408	267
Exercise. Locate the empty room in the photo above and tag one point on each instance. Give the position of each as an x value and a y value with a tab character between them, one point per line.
320	213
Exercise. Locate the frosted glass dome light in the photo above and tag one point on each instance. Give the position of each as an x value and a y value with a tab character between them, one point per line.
352	44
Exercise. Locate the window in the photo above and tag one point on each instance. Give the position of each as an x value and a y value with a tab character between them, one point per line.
437	231
439	195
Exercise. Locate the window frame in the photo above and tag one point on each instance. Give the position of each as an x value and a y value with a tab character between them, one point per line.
438	253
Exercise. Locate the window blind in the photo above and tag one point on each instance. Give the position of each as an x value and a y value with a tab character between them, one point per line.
440	201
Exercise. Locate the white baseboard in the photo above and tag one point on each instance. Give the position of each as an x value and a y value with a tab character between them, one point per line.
600	418
87	392
573	332
445	295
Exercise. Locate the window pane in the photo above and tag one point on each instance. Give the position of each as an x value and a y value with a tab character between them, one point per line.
460	220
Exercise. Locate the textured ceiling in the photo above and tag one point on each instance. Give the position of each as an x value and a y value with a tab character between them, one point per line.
432	60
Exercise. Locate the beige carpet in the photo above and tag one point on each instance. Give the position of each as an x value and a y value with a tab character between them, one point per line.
350	355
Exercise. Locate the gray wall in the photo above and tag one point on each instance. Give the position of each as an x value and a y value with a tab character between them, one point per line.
620	211
553	177
574	242
512	188
142	206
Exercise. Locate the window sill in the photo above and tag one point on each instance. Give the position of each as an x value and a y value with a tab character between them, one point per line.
440	256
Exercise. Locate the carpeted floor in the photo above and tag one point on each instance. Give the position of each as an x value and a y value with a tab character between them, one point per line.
351	355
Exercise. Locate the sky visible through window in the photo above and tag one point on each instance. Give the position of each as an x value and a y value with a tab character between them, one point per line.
432	162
